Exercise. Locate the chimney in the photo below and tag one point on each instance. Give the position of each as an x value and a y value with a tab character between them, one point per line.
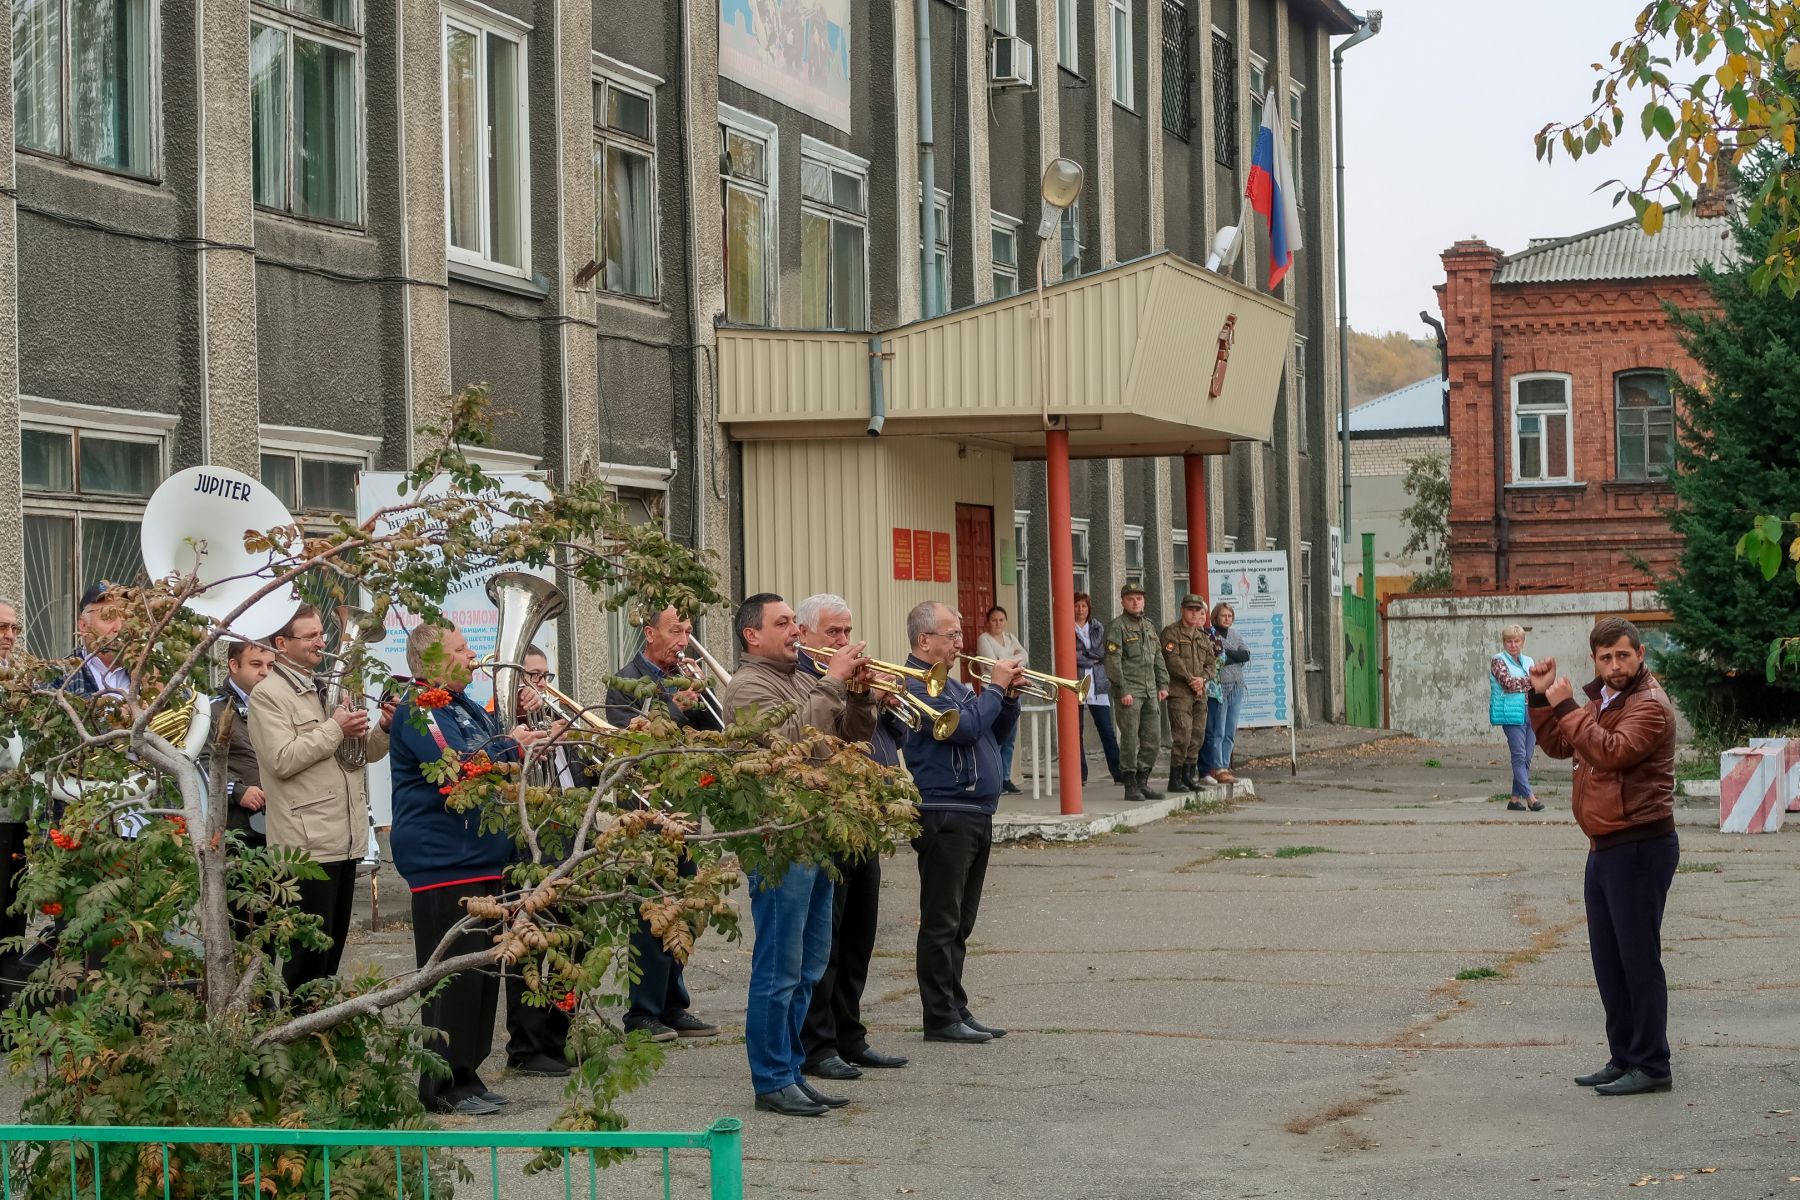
1714	199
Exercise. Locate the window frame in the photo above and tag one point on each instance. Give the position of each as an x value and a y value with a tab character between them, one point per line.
1651	474
65	66
1000	223
1009	10
1022	571
1081	566
1069	223
1133	535
1226	104
749	125
1068	35
1568	411
942	257
1296	140
838	160
1178	541
483	21
1124	66
276	15
1301	409
304	445
606	76
1303	626
1255	65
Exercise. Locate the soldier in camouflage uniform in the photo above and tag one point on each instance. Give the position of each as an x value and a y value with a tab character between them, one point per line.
1193	661
1139	682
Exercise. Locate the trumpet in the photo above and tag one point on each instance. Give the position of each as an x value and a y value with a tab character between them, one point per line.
933	678
890	679
697	667
1036	684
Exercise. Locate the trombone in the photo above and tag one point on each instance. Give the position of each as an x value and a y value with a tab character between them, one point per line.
1036	684
914	713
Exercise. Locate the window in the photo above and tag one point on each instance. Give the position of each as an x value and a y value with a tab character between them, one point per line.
1066	44
486	151
1006	255
1224	101
1177	71
309	484
747	155
1306	595
1259	91
1078	541
1178	558
1071	240
1646	425
1301	407
834	229
1542	444
644	505
625	187
84	82
940	259
1134	555
1006	17
306	109
1297	140
1124	75
1230	542
1022	572
84	492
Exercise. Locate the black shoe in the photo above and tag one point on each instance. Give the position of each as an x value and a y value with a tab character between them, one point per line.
959	1032
874	1058
540	1066
1011	788
790	1101
1605	1074
818	1097
978	1027
1515	806
686	1024
1150	793
1134	791
656	1031
1536	806
1177	782
468	1106
1634	1082
832	1068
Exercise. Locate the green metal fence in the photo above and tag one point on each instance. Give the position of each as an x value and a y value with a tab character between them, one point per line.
257	1162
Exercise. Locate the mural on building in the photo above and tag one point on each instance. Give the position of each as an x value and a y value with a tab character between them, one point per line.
794	51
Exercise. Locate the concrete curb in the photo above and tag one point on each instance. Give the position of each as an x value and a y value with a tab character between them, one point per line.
1700	787
1052	827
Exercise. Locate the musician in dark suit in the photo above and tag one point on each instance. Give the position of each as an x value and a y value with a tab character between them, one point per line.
659	998
247	664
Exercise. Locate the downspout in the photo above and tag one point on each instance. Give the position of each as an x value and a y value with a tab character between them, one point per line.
1502	526
1367	27
928	298
877	386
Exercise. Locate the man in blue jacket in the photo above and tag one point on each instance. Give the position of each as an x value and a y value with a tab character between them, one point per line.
959	789
444	857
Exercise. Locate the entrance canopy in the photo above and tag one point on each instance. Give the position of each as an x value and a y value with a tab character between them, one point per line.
1136	352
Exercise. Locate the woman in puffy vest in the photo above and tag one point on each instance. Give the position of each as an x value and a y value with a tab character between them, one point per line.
1508	688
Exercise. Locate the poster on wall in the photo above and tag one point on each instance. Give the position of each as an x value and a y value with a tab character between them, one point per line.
940	557
903	556
794	51
468	606
1337	561
1255	584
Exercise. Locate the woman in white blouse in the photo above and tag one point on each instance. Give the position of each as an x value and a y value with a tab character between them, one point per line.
996	642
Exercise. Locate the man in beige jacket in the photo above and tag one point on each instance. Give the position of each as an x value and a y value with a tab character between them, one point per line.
314	803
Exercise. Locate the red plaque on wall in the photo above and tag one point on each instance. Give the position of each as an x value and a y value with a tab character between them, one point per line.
903	554
922	555
940	556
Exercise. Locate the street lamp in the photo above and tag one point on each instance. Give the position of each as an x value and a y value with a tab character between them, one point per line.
1061	186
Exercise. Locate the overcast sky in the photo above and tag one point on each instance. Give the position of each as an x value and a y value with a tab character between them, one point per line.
1439	113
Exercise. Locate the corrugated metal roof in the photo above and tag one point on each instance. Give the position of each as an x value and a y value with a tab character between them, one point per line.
1623	250
1416	407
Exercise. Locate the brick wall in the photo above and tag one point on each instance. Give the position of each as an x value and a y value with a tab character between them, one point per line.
1580	535
1387	456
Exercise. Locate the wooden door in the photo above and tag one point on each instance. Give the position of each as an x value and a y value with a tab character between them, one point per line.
974	570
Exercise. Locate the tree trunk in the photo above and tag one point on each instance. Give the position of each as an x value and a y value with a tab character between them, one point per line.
207	829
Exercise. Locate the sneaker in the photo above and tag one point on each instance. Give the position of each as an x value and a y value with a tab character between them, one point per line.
1011	788
686	1024
495	1098
656	1031
470	1106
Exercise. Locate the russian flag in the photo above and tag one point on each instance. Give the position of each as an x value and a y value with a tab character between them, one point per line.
1271	192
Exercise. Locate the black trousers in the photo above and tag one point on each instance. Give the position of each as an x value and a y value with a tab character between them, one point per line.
834	1022
661	988
532	1029
12	865
463	1010
331	899
1626	889
953	852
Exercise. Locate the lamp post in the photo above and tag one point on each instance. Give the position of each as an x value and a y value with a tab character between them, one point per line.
1370	26
1061	185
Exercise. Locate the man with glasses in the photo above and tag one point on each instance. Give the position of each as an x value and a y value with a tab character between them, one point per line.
959	784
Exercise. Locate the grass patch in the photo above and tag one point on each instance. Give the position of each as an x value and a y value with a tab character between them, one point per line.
1500	797
1207	807
1432	762
1697	769
1301	851
1478	782
1237	852
1478	973
1698	868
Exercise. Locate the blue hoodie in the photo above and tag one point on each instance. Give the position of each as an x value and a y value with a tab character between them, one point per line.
962	772
433	846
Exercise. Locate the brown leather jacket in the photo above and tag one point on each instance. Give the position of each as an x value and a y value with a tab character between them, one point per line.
1624	759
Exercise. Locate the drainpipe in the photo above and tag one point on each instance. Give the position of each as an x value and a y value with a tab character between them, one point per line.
929	305
1368	28
877	386
1502	525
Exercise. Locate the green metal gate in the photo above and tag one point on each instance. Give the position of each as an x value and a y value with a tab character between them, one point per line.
1362	646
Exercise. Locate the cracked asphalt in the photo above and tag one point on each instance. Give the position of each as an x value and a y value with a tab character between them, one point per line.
1262	1002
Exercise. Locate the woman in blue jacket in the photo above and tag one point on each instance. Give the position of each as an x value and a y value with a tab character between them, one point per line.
1508	688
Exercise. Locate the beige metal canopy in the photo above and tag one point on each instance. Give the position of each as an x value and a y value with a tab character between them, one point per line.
1134	350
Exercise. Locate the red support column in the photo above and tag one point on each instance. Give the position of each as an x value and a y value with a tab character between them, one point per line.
1193	470
1062	618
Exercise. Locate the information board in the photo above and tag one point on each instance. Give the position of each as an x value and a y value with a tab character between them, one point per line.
1255	584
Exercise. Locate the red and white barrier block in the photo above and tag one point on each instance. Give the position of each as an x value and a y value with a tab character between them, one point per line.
1790	766
1753	787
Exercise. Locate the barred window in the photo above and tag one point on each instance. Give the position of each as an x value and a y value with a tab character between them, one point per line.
1178	71
1225	101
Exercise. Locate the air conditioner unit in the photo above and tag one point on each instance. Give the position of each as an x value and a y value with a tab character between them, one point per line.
1010	61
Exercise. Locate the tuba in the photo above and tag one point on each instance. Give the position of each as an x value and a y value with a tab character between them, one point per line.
524	602
356	629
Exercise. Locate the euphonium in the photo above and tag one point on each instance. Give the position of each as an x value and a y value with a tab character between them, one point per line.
524	602
356	629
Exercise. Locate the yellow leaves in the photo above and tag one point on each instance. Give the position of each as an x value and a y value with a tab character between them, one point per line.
1792	58
1652	219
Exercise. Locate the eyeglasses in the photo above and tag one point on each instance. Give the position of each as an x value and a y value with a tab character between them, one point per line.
540	676
9	627
955	635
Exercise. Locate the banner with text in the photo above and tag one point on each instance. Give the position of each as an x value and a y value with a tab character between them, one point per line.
1255	584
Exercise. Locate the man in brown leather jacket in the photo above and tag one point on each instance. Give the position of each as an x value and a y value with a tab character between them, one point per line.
1623	744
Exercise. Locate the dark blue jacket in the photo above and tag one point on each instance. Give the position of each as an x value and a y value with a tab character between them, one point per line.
890	732
433	846
962	772
620	708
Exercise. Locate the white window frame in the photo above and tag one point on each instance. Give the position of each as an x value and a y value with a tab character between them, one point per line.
1229	541
482	21
1256	79
1301	410
624	641
1022	572
1568	410
1006	17
1134	534
1068	227
354	39
1000	223
608	74
1124	68
64	154
1179	537
836	158
759	129
316	445
1303	624
1068	34
941	258
1297	141
1081	567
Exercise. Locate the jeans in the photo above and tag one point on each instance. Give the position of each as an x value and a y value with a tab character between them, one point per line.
1221	730
1626	889
1006	753
793	944
1520	742
1109	740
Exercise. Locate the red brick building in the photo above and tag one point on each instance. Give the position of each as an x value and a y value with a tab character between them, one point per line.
1561	422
